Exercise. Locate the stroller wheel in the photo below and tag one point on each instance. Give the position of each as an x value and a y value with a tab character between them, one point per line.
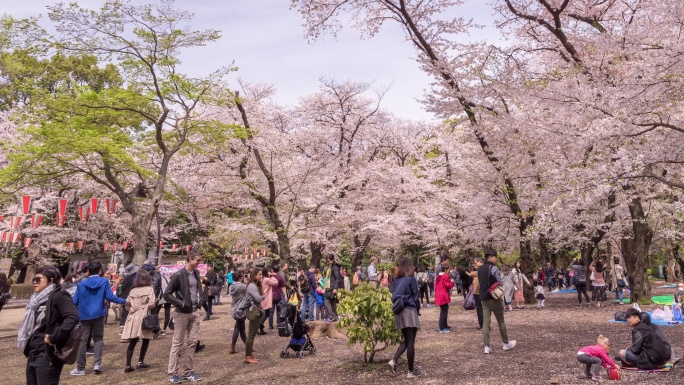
301	354
283	354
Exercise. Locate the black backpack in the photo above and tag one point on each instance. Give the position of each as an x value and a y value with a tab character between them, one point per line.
304	285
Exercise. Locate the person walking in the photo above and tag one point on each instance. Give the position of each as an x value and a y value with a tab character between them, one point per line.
598	285
580	280
255	313
5	290
489	274
307	285
161	303
550	272
237	292
477	262
91	294
619	280
406	291
333	283
269	283
140	301
443	283
373	272
422	279
125	287
210	282
50	317
278	295
184	293
509	289
519	279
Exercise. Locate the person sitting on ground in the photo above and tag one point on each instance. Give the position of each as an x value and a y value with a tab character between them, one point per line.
678	295
648	350
596	355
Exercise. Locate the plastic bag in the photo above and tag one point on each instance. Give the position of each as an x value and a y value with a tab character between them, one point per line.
636	306
667	314
657	314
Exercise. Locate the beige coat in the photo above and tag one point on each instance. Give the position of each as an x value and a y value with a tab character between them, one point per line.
140	300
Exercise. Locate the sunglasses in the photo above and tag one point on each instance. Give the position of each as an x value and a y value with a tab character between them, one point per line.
37	279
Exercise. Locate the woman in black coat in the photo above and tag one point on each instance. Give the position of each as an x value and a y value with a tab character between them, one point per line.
50	317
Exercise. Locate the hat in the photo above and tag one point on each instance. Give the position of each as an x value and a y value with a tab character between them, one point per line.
632	311
131	269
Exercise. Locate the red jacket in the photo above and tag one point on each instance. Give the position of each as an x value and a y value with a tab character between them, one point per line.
443	284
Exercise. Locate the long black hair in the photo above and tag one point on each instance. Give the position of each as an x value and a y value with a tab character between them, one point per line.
4	283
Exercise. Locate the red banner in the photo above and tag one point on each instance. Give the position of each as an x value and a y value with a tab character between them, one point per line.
17	222
11	225
71	246
246	249
27	242
62	207
111	205
82	214
15	237
124	245
187	248
263	252
106	246
4	236
81	244
26	204
115	246
93	205
175	245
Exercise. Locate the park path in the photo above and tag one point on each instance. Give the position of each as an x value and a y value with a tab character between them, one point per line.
10	319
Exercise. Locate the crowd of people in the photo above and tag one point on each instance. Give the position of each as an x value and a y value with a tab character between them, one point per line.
59	305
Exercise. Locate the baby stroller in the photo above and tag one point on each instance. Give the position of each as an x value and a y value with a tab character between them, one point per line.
300	341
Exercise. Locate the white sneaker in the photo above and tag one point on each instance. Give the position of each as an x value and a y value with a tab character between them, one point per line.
510	345
487	350
76	372
393	367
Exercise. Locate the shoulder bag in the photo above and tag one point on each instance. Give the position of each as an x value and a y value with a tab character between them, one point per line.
69	351
496	291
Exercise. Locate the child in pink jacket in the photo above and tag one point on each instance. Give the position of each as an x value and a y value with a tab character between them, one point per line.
596	355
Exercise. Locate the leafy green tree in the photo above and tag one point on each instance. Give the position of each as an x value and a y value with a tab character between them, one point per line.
370	320
111	107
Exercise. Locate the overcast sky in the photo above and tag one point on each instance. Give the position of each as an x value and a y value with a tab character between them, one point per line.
265	40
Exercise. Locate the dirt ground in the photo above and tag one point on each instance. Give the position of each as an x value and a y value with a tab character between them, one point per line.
548	339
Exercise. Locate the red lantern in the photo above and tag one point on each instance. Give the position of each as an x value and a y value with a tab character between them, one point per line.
26	204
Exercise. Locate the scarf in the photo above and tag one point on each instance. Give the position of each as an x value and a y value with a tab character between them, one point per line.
28	324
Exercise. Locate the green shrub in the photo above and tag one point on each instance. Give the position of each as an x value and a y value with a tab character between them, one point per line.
370	320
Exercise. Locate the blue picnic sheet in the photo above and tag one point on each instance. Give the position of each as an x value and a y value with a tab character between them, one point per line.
658	322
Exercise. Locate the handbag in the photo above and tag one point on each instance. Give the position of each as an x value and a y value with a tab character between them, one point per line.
397	304
69	351
213	291
469	302
150	322
591	277
621	283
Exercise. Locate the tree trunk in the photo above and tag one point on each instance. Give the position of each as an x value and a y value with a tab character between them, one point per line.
544	254
141	229
671	263
359	250
678	258
316	253
528	268
635	251
283	246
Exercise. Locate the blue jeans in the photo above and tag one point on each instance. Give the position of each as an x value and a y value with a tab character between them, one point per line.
308	302
631	358
550	283
619	295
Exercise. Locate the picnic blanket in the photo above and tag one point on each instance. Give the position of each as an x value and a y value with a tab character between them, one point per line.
565	291
624	301
658	322
665	368
669	285
662	299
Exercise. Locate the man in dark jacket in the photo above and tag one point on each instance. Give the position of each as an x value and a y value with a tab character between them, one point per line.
210	280
184	293
131	276
334	283
488	274
309	298
90	297
648	350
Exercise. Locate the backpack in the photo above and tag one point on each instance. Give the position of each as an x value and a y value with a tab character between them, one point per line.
620	316
304	285
241	308
422	280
